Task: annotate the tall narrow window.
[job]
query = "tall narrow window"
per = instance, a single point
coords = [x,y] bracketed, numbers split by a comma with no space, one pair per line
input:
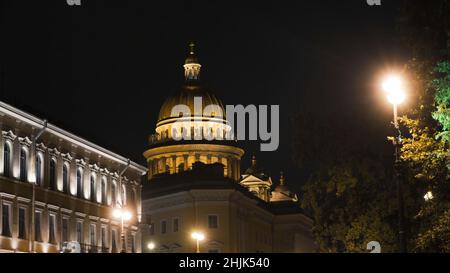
[79,232]
[175,225]
[37,226]
[152,229]
[113,193]
[133,245]
[92,235]
[132,197]
[6,221]
[7,159]
[52,229]
[65,178]
[38,170]
[113,241]
[52,185]
[23,165]
[79,183]
[104,237]
[93,191]
[104,191]
[124,195]
[22,223]
[65,230]
[163,226]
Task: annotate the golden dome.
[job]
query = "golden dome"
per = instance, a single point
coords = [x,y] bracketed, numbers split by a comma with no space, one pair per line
[191,89]
[186,97]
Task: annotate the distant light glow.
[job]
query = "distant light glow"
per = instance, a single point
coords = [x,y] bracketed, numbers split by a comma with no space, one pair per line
[429,196]
[198,236]
[151,246]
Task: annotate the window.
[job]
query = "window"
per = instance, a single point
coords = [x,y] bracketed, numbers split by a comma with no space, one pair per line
[175,225]
[6,221]
[65,178]
[37,226]
[92,188]
[22,223]
[92,235]
[113,241]
[132,197]
[104,191]
[104,237]
[52,185]
[39,170]
[124,195]
[133,245]
[113,193]
[7,159]
[213,221]
[163,226]
[152,229]
[23,165]
[80,232]
[65,230]
[52,229]
[79,183]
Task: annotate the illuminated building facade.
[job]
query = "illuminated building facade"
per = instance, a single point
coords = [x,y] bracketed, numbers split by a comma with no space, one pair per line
[62,188]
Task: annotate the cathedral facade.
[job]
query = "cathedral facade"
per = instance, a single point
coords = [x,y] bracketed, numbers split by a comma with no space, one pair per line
[195,185]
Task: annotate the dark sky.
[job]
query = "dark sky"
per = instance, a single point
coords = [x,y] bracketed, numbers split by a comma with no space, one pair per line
[102,70]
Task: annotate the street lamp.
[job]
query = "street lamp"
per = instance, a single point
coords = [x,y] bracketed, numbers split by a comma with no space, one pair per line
[198,236]
[394,88]
[151,246]
[123,215]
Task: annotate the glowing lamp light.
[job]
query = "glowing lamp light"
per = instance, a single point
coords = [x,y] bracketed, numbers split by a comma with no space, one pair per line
[198,236]
[396,97]
[394,88]
[126,215]
[122,214]
[151,246]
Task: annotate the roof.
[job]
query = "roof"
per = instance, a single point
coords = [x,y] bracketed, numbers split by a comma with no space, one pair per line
[63,134]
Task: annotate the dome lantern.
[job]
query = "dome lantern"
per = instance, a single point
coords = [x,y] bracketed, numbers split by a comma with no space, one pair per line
[191,65]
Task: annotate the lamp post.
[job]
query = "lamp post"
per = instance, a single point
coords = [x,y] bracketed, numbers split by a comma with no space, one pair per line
[394,89]
[198,236]
[123,215]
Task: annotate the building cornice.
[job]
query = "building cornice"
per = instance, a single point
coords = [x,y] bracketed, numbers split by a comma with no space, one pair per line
[81,142]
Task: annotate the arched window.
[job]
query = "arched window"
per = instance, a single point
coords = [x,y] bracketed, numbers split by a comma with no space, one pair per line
[39,168]
[52,181]
[79,183]
[93,190]
[113,193]
[104,191]
[7,159]
[65,178]
[23,165]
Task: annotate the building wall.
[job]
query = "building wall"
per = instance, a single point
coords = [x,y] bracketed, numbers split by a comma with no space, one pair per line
[243,226]
[71,154]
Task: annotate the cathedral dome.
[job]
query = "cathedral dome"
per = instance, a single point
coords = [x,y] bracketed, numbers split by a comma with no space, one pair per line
[189,91]
[186,97]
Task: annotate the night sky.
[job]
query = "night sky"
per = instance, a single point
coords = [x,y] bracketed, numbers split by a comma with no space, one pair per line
[102,70]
